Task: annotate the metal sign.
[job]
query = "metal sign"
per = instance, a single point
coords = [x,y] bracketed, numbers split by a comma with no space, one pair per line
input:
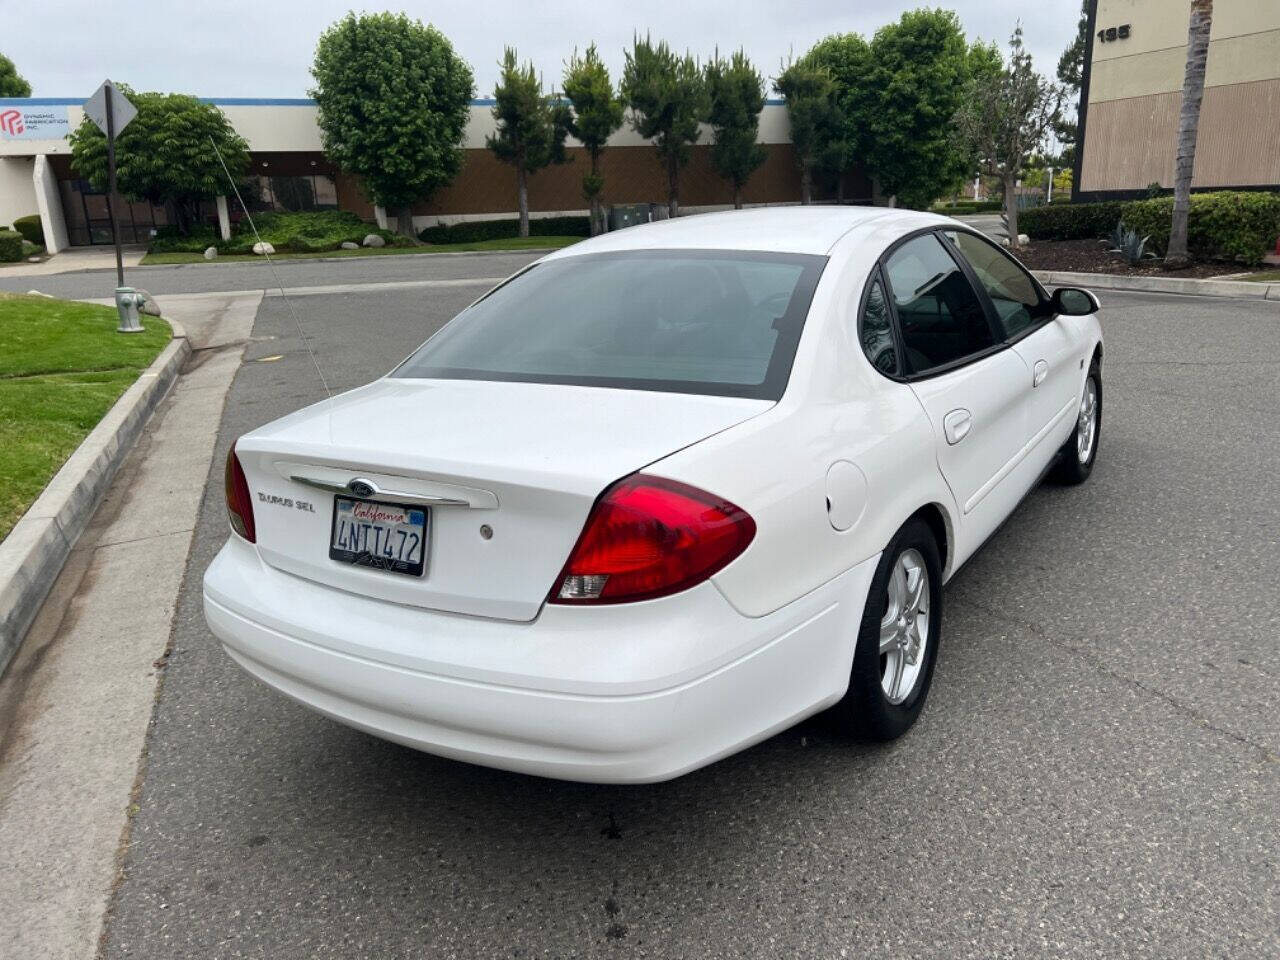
[95,108]
[24,122]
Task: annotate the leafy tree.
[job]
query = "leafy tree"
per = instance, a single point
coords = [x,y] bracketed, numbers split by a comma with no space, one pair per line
[11,82]
[531,126]
[1188,128]
[597,113]
[668,98]
[163,156]
[847,58]
[393,100]
[1071,75]
[737,97]
[1006,117]
[918,70]
[815,117]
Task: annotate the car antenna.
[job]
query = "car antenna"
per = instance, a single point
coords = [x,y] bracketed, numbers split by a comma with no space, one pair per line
[306,342]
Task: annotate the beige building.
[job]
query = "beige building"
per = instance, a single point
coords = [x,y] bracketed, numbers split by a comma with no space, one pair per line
[1132,91]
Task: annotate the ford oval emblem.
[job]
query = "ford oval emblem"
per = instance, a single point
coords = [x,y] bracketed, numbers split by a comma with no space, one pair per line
[362,488]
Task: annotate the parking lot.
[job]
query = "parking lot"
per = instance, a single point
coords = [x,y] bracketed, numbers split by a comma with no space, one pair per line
[1095,773]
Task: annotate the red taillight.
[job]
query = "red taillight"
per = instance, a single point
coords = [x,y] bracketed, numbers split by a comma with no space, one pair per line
[648,537]
[239,505]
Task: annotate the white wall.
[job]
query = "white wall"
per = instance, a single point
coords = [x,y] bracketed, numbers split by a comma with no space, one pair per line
[49,202]
[17,192]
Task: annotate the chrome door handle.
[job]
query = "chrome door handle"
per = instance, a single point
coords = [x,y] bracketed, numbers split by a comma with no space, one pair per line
[1040,371]
[956,425]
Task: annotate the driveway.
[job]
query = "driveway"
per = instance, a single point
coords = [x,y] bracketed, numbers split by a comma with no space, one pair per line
[1095,773]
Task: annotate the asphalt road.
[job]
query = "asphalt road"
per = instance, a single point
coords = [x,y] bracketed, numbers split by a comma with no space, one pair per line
[256,275]
[1095,774]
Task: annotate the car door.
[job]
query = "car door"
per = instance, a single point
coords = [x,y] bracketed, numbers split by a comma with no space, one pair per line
[1048,344]
[970,384]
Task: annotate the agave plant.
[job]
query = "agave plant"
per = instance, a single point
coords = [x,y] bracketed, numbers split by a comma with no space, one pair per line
[1117,237]
[1129,245]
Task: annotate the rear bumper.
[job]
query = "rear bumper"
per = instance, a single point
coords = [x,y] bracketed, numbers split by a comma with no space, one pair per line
[624,694]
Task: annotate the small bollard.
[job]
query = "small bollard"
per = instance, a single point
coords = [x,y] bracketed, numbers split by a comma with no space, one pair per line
[127,301]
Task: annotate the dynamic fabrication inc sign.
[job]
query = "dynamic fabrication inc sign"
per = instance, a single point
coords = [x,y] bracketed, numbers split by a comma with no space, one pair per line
[33,123]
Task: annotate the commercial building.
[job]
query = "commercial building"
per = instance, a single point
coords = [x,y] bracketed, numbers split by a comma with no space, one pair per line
[1132,93]
[36,175]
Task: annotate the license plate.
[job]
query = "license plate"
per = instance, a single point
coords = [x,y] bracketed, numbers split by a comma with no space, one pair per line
[385,536]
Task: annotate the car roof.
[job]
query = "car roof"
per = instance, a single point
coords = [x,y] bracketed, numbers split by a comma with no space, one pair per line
[792,229]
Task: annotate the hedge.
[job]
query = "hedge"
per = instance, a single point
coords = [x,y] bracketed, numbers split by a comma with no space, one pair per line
[1071,221]
[31,228]
[306,232]
[476,231]
[10,246]
[1233,226]
[1239,227]
[967,206]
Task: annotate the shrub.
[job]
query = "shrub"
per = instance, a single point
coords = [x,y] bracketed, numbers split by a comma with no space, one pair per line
[1071,221]
[967,206]
[313,231]
[1234,226]
[31,228]
[477,231]
[10,246]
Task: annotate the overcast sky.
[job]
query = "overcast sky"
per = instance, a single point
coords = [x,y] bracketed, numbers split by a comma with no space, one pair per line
[234,48]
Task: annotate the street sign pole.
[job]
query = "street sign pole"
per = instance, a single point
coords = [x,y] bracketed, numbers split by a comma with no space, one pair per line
[111,111]
[111,186]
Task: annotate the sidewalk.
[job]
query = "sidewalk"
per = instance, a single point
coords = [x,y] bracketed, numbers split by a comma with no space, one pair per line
[77,258]
[76,701]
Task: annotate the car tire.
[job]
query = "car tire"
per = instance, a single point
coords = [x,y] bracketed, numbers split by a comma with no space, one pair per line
[882,704]
[1080,452]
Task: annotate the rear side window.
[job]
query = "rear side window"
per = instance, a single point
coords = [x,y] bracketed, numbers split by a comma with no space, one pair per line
[689,321]
[940,316]
[875,330]
[1012,291]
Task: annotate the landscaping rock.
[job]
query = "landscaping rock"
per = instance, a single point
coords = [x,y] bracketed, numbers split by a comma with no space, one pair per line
[148,304]
[262,248]
[210,253]
[349,245]
[373,240]
[33,259]
[1023,239]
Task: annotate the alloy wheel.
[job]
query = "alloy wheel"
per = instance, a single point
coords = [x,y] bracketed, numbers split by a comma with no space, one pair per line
[904,628]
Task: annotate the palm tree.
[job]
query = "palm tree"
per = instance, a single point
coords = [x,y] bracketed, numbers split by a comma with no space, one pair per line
[1188,126]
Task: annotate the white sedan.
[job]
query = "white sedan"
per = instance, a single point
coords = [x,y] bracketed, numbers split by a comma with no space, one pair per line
[661,494]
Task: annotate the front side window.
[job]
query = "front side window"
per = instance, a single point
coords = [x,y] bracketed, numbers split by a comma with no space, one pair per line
[875,331]
[720,322]
[940,316]
[1012,291]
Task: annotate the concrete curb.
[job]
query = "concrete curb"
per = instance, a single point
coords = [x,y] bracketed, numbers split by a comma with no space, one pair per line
[31,557]
[1238,289]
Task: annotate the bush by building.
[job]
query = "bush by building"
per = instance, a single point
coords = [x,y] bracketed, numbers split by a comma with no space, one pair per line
[477,231]
[1235,226]
[966,206]
[305,232]
[1071,221]
[31,228]
[10,246]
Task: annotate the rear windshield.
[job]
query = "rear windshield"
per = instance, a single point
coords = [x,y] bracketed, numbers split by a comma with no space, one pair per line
[712,322]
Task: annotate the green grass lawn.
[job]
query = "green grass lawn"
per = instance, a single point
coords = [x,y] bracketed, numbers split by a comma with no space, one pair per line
[1266,276]
[62,366]
[508,243]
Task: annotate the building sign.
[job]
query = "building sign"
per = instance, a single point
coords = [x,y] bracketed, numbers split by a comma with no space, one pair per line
[34,123]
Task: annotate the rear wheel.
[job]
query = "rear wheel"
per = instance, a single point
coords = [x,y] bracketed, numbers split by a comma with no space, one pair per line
[1077,456]
[897,639]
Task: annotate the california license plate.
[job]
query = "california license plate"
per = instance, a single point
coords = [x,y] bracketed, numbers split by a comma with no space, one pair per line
[385,536]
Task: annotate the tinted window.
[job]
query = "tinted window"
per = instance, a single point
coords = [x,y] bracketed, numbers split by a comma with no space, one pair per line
[941,318]
[876,334]
[1016,299]
[718,322]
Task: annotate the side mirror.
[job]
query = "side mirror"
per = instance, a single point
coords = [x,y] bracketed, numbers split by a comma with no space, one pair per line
[1074,302]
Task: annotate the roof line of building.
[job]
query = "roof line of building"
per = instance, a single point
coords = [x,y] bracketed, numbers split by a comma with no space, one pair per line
[227,102]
